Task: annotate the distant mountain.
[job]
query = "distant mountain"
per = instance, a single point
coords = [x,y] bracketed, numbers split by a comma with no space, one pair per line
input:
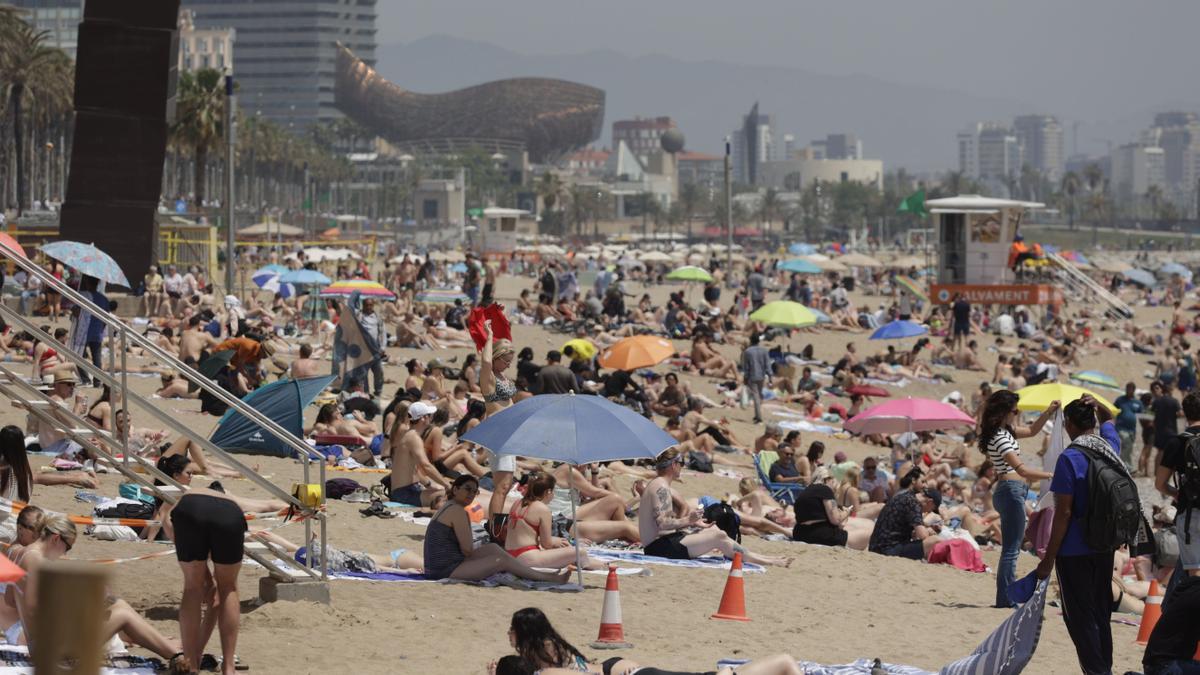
[905,125]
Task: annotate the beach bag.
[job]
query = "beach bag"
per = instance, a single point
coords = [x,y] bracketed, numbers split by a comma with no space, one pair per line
[701,462]
[1166,545]
[336,488]
[135,491]
[1188,480]
[725,518]
[1114,510]
[128,511]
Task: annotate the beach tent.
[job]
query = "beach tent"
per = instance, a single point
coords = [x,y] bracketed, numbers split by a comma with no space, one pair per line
[284,402]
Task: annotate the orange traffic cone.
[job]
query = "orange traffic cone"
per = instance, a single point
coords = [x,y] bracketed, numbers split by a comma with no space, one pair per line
[733,600]
[1151,613]
[612,632]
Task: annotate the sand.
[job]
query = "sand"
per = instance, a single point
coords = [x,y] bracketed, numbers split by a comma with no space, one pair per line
[832,605]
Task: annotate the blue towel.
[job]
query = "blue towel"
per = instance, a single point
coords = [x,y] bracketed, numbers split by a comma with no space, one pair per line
[1021,591]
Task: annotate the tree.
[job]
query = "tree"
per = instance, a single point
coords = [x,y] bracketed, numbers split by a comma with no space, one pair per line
[1071,183]
[550,189]
[30,69]
[768,209]
[199,108]
[690,196]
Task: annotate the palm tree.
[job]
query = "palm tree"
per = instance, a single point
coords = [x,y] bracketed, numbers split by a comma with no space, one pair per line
[198,120]
[690,197]
[1093,175]
[1070,187]
[30,69]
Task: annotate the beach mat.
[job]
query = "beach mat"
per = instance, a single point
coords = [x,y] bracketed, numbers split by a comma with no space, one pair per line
[859,667]
[15,659]
[705,562]
[420,578]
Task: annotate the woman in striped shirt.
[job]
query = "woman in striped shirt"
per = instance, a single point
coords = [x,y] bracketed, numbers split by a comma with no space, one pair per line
[998,441]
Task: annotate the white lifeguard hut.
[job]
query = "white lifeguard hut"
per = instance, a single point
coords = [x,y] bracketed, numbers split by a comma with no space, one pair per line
[973,236]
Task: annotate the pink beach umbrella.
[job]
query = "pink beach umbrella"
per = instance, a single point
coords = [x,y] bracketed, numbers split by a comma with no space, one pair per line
[908,414]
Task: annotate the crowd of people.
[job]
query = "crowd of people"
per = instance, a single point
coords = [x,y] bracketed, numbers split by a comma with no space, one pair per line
[496,513]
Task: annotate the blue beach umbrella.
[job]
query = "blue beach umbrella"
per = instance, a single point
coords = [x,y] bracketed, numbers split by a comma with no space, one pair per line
[1175,268]
[1140,277]
[899,329]
[799,266]
[283,401]
[304,277]
[800,248]
[572,429]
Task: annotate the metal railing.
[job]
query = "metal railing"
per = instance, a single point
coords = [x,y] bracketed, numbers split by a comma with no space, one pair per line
[122,337]
[1081,283]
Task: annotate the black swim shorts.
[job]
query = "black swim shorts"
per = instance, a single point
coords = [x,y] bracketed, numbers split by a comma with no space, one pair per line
[208,527]
[668,546]
[825,534]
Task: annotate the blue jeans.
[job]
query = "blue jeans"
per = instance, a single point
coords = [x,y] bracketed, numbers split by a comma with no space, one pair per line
[1008,497]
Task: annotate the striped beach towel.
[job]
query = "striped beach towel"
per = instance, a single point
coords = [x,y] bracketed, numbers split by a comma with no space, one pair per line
[1010,647]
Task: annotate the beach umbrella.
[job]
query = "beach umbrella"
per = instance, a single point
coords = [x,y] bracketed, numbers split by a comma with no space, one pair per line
[12,244]
[898,329]
[284,402]
[800,248]
[907,262]
[458,268]
[364,287]
[912,287]
[908,415]
[88,259]
[583,347]
[573,429]
[1175,268]
[1096,377]
[822,317]
[859,260]
[655,257]
[690,273]
[442,295]
[826,264]
[270,283]
[273,268]
[639,351]
[785,313]
[1140,277]
[799,266]
[869,390]
[1038,397]
[10,572]
[304,277]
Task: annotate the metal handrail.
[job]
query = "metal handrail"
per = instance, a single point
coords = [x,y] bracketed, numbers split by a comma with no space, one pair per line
[1115,304]
[127,334]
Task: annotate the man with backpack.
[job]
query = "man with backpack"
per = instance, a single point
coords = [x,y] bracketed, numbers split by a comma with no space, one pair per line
[1181,459]
[1097,510]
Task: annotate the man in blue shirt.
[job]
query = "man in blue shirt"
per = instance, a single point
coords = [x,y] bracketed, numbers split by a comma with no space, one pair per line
[1084,574]
[1127,422]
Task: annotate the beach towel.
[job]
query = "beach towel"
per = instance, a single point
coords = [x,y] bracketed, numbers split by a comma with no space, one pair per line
[859,667]
[1038,529]
[15,659]
[805,425]
[1010,647]
[705,562]
[958,553]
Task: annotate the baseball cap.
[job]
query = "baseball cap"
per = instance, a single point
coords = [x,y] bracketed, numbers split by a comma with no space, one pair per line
[935,497]
[420,409]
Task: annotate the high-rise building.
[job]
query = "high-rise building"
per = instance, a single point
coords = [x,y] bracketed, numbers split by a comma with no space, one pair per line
[1041,140]
[59,18]
[751,146]
[990,154]
[287,51]
[641,135]
[1135,168]
[842,146]
[204,47]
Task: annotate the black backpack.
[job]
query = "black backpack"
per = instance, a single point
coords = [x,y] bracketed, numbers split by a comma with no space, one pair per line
[726,519]
[1114,509]
[1187,479]
[336,488]
[698,461]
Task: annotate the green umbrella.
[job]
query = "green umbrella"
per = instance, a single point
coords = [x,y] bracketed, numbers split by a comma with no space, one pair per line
[212,365]
[690,273]
[785,313]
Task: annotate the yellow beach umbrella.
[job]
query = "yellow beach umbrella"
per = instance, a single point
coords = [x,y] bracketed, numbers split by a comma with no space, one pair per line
[1040,396]
[785,313]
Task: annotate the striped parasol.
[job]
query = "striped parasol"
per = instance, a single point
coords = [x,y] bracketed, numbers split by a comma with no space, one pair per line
[912,287]
[364,287]
[442,295]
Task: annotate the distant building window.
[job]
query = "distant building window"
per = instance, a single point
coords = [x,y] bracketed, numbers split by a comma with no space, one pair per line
[204,61]
[845,176]
[201,45]
[221,61]
[219,45]
[429,209]
[187,63]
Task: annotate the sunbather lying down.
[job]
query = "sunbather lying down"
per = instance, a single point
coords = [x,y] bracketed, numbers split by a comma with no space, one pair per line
[780,664]
[399,562]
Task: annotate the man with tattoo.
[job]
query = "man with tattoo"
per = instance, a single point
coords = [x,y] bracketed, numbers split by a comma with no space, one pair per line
[662,532]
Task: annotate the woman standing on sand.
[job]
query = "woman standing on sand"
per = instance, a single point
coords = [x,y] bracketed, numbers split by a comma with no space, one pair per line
[498,392]
[998,441]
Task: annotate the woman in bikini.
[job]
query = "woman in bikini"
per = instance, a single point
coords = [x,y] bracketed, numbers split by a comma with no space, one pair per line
[498,392]
[708,362]
[530,537]
[450,551]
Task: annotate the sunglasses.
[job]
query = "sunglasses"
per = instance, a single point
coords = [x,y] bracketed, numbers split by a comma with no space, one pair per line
[66,543]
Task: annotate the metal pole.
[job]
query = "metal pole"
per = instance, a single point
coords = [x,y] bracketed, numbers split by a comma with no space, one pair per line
[124,396]
[230,139]
[575,519]
[728,213]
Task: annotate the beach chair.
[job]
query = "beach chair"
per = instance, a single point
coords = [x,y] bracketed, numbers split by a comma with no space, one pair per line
[784,493]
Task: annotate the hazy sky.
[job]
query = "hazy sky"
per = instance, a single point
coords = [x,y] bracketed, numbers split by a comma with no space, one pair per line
[1117,56]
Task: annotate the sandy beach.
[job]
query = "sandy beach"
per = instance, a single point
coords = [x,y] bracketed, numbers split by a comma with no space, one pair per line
[832,605]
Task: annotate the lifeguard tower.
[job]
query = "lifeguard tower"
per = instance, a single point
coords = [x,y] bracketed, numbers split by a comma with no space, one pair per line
[972,235]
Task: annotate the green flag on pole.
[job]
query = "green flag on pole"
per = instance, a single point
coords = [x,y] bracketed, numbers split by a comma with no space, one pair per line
[914,204]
